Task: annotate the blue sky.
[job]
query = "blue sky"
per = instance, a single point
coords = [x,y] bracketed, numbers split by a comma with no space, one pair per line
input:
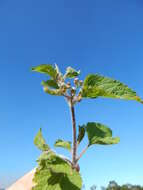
[94,36]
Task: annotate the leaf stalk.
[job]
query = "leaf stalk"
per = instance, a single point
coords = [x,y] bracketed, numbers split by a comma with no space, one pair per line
[81,154]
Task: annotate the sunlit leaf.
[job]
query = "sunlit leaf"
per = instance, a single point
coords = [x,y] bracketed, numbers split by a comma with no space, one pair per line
[99,86]
[63,144]
[107,141]
[50,91]
[40,142]
[46,69]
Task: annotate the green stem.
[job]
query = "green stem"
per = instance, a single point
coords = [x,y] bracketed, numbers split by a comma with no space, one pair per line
[81,154]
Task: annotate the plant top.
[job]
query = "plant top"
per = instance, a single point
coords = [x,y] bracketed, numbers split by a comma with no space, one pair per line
[56,172]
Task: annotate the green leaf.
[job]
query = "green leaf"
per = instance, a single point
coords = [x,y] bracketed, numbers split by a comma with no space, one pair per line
[56,92]
[55,85]
[50,83]
[96,85]
[54,173]
[108,141]
[81,134]
[71,73]
[46,69]
[39,141]
[63,144]
[100,134]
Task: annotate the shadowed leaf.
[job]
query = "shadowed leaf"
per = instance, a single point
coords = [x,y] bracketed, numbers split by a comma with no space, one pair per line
[100,134]
[71,73]
[50,83]
[55,173]
[81,134]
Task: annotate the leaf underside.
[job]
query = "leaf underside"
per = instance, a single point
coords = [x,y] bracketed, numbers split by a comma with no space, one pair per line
[56,92]
[81,134]
[50,83]
[100,134]
[54,173]
[63,144]
[71,73]
[99,86]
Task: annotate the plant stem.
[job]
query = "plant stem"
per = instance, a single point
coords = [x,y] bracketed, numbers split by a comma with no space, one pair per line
[74,150]
[81,154]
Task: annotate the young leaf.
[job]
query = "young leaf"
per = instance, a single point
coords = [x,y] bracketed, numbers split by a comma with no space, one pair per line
[71,73]
[63,144]
[96,85]
[55,173]
[39,141]
[81,134]
[46,69]
[59,74]
[50,83]
[56,92]
[100,134]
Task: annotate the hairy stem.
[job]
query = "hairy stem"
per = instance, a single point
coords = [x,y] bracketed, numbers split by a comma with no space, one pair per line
[74,150]
[81,154]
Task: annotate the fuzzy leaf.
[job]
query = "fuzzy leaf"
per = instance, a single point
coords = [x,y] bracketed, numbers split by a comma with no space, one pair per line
[107,141]
[56,92]
[63,144]
[55,173]
[100,134]
[39,141]
[59,74]
[96,85]
[81,134]
[71,73]
[46,69]
[50,83]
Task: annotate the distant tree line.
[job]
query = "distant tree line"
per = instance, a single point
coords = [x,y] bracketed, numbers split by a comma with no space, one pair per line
[113,185]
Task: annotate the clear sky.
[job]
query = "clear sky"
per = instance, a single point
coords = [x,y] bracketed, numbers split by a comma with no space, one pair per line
[96,36]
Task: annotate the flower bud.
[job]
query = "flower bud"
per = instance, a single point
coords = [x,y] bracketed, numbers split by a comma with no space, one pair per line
[73,90]
[63,88]
[81,82]
[68,85]
[76,80]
